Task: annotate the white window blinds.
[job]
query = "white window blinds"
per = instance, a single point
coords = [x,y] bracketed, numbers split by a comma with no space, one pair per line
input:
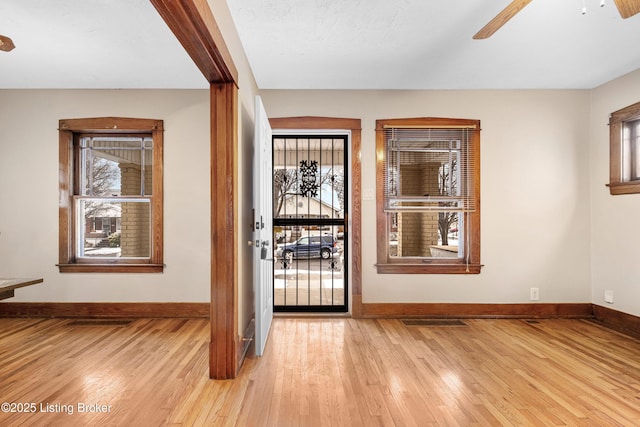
[430,169]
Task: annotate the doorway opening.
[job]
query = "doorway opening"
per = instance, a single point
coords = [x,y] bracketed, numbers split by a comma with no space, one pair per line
[310,213]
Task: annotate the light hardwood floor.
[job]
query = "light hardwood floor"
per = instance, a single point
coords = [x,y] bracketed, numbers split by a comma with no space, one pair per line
[323,372]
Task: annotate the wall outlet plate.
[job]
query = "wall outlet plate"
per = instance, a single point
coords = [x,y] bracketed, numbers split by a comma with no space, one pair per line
[534,294]
[608,297]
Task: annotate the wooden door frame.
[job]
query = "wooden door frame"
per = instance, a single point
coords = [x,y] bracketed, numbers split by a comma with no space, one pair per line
[355,230]
[192,22]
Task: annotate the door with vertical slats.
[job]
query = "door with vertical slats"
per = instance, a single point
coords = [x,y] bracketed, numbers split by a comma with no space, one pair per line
[310,212]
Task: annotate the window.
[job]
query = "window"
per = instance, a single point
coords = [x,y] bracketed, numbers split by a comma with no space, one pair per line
[624,148]
[111,195]
[428,195]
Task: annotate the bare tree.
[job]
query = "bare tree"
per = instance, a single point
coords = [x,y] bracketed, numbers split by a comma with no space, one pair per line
[447,186]
[287,184]
[337,181]
[102,176]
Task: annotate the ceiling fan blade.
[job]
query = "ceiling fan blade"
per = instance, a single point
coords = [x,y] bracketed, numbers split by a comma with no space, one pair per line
[6,44]
[501,18]
[628,8]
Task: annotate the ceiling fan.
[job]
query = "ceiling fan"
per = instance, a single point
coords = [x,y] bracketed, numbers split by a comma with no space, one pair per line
[626,8]
[6,44]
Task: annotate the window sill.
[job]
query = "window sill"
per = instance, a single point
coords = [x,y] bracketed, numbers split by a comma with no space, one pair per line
[431,268]
[631,187]
[111,268]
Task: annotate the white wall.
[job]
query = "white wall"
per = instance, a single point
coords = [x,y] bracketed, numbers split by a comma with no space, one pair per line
[615,244]
[29,194]
[29,188]
[547,219]
[535,189]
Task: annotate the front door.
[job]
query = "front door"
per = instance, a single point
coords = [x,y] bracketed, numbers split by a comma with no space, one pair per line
[263,228]
[310,210]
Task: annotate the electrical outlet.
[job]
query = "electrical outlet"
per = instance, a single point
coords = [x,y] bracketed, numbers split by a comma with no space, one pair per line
[608,297]
[534,294]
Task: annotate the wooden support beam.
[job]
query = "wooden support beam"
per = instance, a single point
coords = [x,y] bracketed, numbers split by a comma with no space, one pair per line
[223,360]
[193,24]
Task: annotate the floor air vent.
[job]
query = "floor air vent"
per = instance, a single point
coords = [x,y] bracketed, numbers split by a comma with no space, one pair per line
[434,322]
[100,322]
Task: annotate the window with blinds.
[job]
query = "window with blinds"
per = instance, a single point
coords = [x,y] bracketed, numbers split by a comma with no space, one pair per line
[624,147]
[429,169]
[428,176]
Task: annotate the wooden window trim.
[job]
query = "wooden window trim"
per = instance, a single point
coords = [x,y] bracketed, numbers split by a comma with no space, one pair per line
[616,124]
[68,128]
[385,264]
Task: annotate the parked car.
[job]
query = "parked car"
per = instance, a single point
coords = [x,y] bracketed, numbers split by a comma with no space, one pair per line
[309,247]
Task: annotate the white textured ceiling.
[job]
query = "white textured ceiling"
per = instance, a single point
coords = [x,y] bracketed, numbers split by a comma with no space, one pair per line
[92,44]
[427,44]
[324,44]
